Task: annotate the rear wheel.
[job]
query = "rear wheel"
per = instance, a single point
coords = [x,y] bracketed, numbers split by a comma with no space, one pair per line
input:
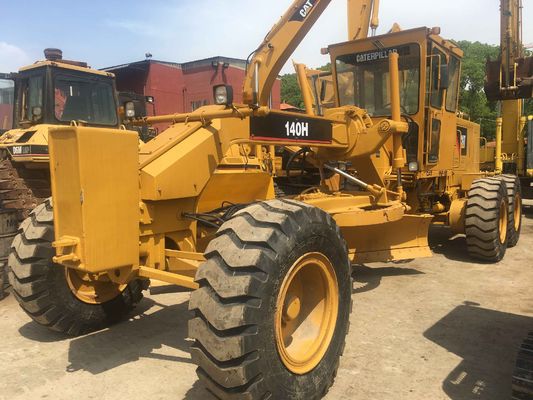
[272,310]
[61,299]
[514,194]
[487,220]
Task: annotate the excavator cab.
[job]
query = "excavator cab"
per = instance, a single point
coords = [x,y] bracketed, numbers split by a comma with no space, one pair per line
[429,76]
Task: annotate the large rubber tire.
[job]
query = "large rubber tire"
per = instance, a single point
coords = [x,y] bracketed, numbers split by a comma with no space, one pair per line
[482,219]
[512,184]
[41,288]
[522,382]
[234,308]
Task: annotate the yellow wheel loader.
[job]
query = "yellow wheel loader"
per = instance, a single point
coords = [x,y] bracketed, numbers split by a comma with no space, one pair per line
[196,207]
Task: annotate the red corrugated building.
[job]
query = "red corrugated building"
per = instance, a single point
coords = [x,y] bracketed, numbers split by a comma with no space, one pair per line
[184,87]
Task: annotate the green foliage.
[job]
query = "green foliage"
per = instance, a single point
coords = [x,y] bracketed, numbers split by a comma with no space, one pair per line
[473,101]
[290,91]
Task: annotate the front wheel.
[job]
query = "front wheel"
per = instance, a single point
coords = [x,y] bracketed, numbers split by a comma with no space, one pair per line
[272,310]
[62,299]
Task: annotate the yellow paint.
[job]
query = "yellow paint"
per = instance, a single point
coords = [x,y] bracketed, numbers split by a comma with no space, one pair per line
[96,197]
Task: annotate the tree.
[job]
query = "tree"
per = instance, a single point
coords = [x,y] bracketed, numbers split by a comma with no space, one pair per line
[290,91]
[472,100]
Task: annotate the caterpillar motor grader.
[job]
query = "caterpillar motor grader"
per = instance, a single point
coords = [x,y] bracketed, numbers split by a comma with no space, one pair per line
[39,97]
[196,207]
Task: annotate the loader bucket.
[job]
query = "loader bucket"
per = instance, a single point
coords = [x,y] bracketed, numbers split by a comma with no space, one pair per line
[95,192]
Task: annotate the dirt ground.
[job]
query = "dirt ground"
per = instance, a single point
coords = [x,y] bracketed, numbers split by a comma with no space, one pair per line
[430,329]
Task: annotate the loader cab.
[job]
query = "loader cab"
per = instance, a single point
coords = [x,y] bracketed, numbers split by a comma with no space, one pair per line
[429,72]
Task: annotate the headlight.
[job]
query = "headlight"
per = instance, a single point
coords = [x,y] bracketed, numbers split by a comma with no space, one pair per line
[223,95]
[413,166]
[129,108]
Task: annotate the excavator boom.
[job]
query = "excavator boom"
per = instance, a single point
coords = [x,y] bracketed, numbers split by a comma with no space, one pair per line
[286,35]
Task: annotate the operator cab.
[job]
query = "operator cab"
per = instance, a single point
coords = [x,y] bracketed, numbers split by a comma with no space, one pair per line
[50,93]
[429,74]
[57,92]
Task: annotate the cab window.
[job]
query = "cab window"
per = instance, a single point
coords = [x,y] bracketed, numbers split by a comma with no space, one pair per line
[84,99]
[452,95]
[32,98]
[7,95]
[438,60]
[363,80]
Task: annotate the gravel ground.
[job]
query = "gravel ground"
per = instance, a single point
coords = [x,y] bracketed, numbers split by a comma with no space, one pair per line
[439,328]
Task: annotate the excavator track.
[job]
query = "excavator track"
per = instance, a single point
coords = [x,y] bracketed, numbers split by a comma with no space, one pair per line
[22,188]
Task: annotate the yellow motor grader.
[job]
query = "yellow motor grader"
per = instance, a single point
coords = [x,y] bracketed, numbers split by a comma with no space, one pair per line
[196,207]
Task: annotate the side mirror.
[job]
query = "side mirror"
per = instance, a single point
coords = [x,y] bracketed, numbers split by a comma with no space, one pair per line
[444,76]
[223,95]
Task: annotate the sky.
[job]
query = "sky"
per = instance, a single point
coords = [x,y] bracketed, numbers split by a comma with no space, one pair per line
[109,32]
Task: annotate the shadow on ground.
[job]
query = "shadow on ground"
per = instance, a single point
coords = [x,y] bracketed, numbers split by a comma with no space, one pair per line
[443,241]
[487,341]
[126,342]
[367,278]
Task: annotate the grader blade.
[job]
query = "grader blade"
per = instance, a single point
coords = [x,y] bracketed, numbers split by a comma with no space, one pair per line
[404,239]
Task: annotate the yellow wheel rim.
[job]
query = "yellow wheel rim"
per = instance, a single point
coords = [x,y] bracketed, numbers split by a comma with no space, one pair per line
[503,221]
[306,313]
[90,290]
[517,212]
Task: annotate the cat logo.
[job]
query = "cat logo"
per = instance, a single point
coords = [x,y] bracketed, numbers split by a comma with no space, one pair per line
[303,12]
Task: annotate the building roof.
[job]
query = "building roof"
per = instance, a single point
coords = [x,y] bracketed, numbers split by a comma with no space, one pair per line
[143,64]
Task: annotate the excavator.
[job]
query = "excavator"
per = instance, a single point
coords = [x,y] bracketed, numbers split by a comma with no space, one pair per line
[509,80]
[196,207]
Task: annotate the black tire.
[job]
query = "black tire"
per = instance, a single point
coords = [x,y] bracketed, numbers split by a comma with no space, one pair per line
[522,382]
[233,323]
[41,288]
[512,184]
[482,219]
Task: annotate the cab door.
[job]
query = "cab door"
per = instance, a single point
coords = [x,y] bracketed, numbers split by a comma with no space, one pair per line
[440,124]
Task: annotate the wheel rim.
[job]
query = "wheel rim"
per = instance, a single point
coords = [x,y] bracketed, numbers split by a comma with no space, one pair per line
[503,222]
[517,212]
[92,291]
[306,313]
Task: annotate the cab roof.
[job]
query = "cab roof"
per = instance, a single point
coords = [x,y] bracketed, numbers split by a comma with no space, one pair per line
[62,65]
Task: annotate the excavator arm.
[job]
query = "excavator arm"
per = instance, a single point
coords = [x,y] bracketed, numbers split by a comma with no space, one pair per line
[362,16]
[277,47]
[511,76]
[287,34]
